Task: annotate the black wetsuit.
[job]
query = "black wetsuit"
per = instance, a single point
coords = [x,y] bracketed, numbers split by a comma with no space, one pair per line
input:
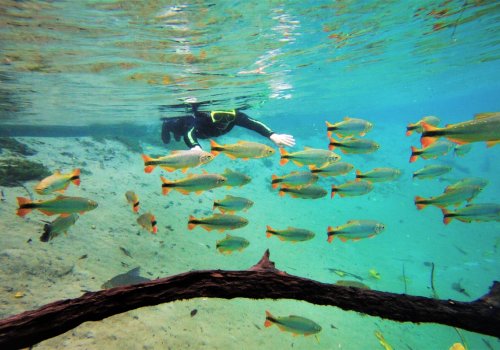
[201,126]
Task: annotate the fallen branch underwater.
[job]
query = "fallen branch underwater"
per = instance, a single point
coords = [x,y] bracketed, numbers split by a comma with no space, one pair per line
[262,281]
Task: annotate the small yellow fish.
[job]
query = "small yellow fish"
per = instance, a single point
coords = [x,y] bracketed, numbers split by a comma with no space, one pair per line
[355,230]
[60,205]
[179,159]
[58,226]
[434,150]
[193,183]
[484,127]
[242,149]
[375,274]
[379,175]
[417,127]
[354,145]
[231,243]
[148,221]
[431,171]
[133,199]
[352,188]
[294,324]
[291,234]
[349,127]
[306,192]
[309,156]
[219,222]
[473,212]
[382,341]
[58,182]
[294,179]
[234,178]
[231,204]
[332,169]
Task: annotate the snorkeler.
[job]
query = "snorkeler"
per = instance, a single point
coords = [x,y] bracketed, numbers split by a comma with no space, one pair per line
[204,125]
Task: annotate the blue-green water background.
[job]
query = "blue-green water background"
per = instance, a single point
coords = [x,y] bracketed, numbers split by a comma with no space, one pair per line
[114,68]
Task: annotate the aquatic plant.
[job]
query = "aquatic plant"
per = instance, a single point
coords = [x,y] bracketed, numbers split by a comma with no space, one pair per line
[15,146]
[14,171]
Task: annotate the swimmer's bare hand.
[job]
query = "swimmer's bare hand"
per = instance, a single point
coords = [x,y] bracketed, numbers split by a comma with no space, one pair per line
[283,140]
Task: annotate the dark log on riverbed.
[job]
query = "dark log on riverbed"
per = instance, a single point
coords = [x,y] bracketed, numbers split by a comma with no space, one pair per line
[262,281]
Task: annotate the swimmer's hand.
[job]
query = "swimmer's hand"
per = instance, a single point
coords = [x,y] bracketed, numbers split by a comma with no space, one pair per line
[196,148]
[283,140]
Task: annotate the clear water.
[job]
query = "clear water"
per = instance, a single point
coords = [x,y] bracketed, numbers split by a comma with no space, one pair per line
[76,74]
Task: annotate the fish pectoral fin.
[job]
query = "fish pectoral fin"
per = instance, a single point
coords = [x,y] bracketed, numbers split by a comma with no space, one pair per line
[47,212]
[297,163]
[343,239]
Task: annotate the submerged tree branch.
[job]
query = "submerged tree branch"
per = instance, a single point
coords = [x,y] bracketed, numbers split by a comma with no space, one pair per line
[262,281]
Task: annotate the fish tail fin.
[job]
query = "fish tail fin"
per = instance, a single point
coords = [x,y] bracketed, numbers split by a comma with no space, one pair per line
[215,148]
[23,202]
[165,187]
[334,190]
[75,176]
[282,190]
[426,139]
[274,181]
[359,175]
[331,234]
[192,222]
[147,167]
[329,128]
[215,205]
[414,155]
[269,231]
[419,202]
[333,143]
[409,129]
[269,319]
[135,207]
[446,216]
[284,155]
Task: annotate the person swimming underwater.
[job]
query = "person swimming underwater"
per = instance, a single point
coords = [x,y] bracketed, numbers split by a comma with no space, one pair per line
[204,125]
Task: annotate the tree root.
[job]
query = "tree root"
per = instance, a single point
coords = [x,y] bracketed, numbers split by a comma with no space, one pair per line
[262,281]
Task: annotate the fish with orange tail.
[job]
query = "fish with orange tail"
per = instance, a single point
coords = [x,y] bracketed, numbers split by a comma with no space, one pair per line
[379,175]
[417,127]
[219,222]
[196,183]
[453,196]
[63,205]
[354,145]
[309,156]
[349,127]
[295,324]
[352,188]
[484,127]
[242,149]
[58,182]
[148,222]
[434,150]
[231,204]
[305,192]
[294,179]
[332,169]
[133,199]
[179,159]
[291,234]
[480,212]
[355,230]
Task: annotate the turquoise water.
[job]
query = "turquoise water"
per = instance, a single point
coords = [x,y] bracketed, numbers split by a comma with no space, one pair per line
[77,75]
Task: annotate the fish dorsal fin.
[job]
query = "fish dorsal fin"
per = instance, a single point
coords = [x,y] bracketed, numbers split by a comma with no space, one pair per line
[57,172]
[229,171]
[347,118]
[486,115]
[228,236]
[61,197]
